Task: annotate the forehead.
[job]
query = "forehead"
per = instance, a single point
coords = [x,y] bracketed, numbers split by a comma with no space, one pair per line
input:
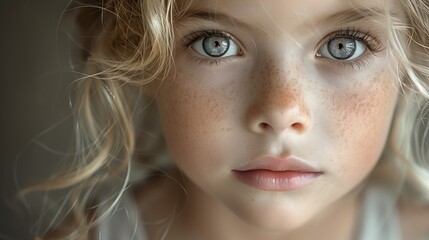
[293,13]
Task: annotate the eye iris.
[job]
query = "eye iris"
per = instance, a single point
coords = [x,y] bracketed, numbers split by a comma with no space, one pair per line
[342,48]
[215,46]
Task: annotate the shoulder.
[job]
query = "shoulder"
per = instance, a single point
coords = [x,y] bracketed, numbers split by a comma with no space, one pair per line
[414,220]
[159,200]
[158,192]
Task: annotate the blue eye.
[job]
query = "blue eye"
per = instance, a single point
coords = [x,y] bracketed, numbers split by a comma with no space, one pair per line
[343,48]
[216,46]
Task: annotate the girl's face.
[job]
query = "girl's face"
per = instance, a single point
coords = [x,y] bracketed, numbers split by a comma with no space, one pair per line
[279,109]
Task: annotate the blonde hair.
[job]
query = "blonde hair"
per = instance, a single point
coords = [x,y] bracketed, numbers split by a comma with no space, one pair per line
[129,43]
[126,43]
[409,140]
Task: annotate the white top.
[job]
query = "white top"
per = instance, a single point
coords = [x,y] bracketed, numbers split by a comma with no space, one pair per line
[124,224]
[379,219]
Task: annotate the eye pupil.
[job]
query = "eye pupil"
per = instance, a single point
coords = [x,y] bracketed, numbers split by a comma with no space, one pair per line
[342,48]
[216,46]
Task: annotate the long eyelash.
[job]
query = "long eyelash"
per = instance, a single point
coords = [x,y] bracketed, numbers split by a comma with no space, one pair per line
[189,39]
[372,43]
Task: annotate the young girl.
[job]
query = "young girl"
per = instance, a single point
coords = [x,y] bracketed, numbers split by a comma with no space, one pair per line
[281,119]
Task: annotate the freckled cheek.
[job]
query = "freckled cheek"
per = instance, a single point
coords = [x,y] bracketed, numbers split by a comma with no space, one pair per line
[363,120]
[192,119]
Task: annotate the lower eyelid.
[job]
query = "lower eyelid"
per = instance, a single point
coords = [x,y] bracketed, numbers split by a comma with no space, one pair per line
[201,60]
[346,65]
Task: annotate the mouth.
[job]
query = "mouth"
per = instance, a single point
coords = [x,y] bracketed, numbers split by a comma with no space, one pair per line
[277,174]
[276,180]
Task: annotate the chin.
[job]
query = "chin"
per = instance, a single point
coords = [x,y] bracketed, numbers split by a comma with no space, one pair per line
[271,215]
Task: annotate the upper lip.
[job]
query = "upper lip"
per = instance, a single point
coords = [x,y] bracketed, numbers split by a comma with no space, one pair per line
[273,163]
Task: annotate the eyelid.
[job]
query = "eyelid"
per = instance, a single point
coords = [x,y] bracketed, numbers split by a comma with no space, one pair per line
[372,43]
[190,38]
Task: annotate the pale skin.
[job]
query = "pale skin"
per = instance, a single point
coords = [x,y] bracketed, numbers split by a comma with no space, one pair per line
[276,94]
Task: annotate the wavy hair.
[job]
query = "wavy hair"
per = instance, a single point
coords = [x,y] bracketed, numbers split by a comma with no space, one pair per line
[124,43]
[409,139]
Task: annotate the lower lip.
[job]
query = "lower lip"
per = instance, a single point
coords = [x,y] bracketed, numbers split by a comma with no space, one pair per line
[276,180]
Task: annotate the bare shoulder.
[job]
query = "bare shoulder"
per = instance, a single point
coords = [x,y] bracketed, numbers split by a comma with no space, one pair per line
[414,221]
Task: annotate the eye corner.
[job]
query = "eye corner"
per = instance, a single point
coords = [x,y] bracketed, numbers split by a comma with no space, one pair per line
[240,52]
[318,54]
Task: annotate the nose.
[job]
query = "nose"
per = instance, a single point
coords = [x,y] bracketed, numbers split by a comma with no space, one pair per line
[279,105]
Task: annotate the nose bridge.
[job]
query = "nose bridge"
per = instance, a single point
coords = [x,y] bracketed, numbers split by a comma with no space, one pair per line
[280,87]
[279,99]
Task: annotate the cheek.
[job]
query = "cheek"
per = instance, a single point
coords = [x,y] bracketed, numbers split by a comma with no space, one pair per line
[362,119]
[193,116]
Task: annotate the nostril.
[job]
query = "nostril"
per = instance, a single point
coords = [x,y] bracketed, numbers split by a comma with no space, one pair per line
[264,126]
[298,126]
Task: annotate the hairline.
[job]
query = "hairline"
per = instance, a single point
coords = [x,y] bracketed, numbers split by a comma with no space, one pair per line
[343,17]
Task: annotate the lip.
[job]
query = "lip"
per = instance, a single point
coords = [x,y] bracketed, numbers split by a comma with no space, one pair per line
[277,174]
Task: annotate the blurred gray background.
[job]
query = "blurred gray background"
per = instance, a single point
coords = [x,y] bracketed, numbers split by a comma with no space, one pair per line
[35,114]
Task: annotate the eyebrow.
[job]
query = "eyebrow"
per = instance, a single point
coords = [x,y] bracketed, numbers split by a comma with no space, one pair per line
[211,16]
[351,15]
